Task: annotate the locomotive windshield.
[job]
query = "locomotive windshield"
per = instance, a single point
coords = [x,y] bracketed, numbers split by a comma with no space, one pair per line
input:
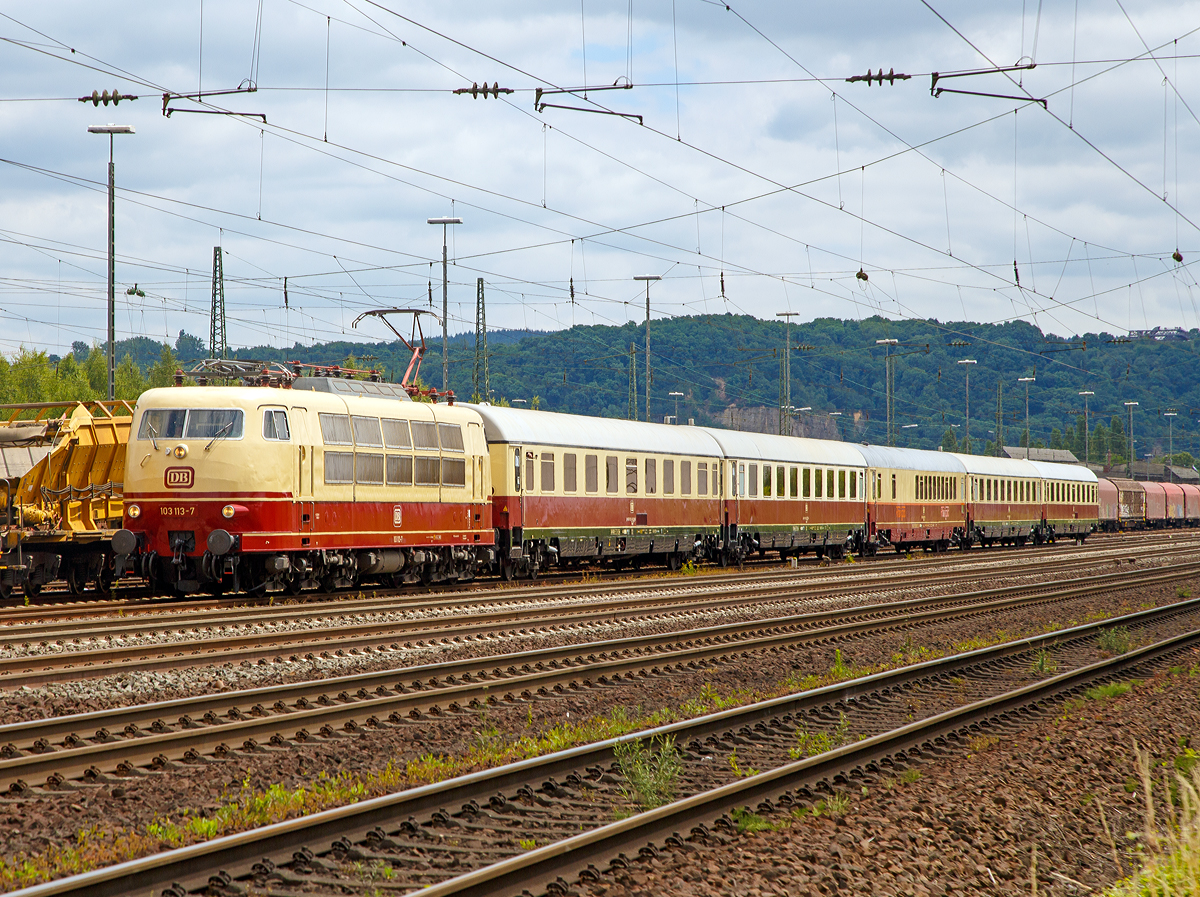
[190,423]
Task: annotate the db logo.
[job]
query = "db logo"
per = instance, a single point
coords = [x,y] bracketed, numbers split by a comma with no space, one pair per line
[179,477]
[397,515]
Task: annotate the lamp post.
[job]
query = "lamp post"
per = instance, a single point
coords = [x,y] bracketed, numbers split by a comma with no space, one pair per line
[678,396]
[1170,416]
[1027,381]
[887,344]
[110,130]
[785,401]
[445,302]
[968,362]
[647,278]
[837,424]
[520,401]
[1087,428]
[1131,406]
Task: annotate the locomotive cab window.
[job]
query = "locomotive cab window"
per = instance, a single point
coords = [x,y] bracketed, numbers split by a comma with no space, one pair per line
[275,425]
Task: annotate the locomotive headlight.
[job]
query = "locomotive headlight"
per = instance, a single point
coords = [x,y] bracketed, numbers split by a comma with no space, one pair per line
[133,511]
[228,511]
[180,451]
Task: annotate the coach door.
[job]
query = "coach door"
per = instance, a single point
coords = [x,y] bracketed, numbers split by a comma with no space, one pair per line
[304,453]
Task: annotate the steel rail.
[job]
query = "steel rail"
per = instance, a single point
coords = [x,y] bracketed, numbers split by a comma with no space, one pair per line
[452,686]
[191,867]
[38,669]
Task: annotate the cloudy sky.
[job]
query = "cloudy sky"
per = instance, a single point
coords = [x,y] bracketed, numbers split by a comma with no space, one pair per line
[740,166]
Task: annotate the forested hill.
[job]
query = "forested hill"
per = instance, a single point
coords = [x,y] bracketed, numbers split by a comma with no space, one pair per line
[724,362]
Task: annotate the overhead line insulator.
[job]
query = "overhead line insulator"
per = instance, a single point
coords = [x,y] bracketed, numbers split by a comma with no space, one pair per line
[97,98]
[879,77]
[475,90]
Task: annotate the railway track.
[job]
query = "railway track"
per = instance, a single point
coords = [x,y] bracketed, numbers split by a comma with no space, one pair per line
[50,604]
[126,739]
[41,653]
[541,823]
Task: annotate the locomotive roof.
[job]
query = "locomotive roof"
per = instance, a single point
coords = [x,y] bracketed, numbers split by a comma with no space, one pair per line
[911,459]
[793,449]
[1075,473]
[524,426]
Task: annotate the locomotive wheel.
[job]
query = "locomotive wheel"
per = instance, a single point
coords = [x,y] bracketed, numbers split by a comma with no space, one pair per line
[32,589]
[5,590]
[506,571]
[673,561]
[533,571]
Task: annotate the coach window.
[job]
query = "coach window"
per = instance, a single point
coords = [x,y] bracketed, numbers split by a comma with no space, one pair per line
[335,429]
[854,478]
[631,476]
[767,480]
[794,482]
[591,473]
[807,483]
[829,484]
[339,467]
[368,469]
[754,480]
[366,431]
[740,483]
[395,434]
[718,482]
[426,472]
[451,435]
[399,470]
[685,477]
[454,472]
[841,484]
[893,487]
[547,471]
[702,479]
[819,483]
[425,435]
[651,476]
[275,425]
[569,481]
[781,481]
[529,471]
[611,483]
[668,477]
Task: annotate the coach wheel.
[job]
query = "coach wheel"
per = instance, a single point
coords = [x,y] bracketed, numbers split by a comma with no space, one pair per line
[5,589]
[104,581]
[673,561]
[506,571]
[76,579]
[533,570]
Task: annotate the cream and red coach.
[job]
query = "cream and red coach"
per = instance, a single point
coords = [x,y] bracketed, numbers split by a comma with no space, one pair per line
[328,483]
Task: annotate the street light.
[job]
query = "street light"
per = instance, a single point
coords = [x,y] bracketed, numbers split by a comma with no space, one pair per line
[968,362]
[1131,406]
[887,344]
[647,278]
[445,302]
[110,130]
[1170,416]
[785,401]
[678,396]
[520,401]
[1027,381]
[1087,428]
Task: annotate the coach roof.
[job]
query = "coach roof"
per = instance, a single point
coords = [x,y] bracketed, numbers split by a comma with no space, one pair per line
[1075,473]
[788,449]
[911,459]
[526,427]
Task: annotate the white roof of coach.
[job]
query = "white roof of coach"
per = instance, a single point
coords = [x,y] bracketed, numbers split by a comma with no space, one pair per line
[1074,473]
[789,449]
[989,466]
[526,427]
[911,459]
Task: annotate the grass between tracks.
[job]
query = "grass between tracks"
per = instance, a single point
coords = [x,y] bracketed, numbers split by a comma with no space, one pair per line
[250,807]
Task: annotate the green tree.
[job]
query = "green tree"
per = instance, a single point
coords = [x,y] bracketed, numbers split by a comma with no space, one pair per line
[188,347]
[31,377]
[129,380]
[71,383]
[163,371]
[1117,443]
[1056,439]
[95,369]
[949,443]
